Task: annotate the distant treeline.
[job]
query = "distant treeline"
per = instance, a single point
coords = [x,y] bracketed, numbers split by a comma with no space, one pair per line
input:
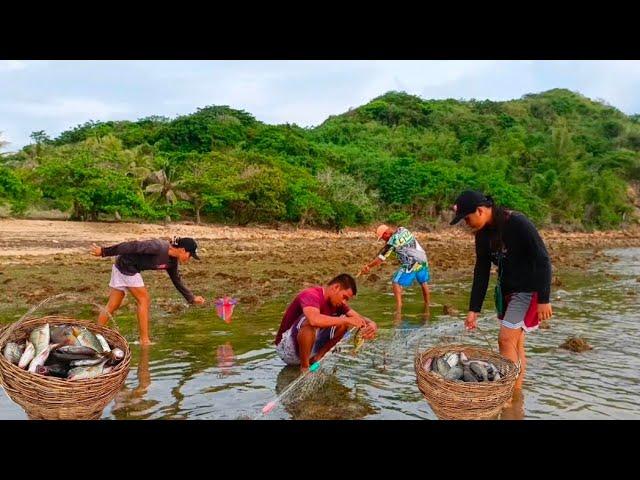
[559,157]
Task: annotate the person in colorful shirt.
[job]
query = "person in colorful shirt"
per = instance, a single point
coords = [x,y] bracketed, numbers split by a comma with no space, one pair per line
[136,256]
[414,265]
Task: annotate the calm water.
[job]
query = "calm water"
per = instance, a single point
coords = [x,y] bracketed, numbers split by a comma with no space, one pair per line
[201,367]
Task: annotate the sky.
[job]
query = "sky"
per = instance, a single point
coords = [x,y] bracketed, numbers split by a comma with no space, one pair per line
[55,96]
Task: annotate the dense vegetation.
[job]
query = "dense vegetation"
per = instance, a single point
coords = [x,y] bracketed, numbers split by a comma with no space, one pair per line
[557,156]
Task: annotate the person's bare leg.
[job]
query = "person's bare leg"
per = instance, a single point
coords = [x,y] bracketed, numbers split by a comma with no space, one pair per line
[425,293]
[337,336]
[397,292]
[514,410]
[114,302]
[141,294]
[306,339]
[523,359]
[508,342]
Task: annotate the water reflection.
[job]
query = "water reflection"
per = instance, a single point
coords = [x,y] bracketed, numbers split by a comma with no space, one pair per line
[131,402]
[514,410]
[324,397]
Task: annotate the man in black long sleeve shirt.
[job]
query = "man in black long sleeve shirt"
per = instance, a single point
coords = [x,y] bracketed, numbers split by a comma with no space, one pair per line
[136,256]
[509,240]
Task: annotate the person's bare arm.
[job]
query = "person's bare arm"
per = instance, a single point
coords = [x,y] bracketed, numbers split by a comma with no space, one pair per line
[317,319]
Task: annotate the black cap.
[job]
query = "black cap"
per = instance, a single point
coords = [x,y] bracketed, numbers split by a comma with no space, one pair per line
[467,203]
[190,245]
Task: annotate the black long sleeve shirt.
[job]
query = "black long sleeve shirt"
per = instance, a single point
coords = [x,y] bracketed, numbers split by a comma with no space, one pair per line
[136,256]
[526,266]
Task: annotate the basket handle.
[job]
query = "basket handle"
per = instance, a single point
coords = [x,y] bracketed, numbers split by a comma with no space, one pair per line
[6,333]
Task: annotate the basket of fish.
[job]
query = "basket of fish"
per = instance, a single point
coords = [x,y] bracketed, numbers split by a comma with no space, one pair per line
[463,382]
[56,367]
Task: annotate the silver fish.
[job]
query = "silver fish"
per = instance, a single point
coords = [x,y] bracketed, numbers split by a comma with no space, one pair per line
[467,375]
[479,371]
[87,339]
[87,362]
[27,356]
[440,366]
[39,359]
[454,373]
[451,359]
[13,352]
[103,343]
[117,354]
[40,337]
[79,373]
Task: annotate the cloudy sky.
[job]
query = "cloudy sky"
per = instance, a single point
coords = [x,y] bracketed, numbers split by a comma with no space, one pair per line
[57,95]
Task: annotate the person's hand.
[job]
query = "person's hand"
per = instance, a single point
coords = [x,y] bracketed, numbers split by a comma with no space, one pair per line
[369,332]
[357,322]
[198,300]
[95,250]
[471,321]
[544,311]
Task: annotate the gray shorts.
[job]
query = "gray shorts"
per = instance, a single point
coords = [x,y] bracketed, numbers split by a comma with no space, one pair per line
[522,312]
[287,348]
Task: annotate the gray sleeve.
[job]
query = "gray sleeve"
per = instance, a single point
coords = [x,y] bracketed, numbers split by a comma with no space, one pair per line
[177,282]
[140,247]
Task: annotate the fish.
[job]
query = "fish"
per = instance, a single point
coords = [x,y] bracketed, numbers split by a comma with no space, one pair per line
[38,360]
[103,343]
[358,341]
[441,366]
[40,338]
[116,354]
[479,371]
[454,373]
[74,352]
[426,366]
[87,339]
[54,370]
[63,335]
[463,358]
[89,362]
[451,359]
[13,352]
[79,373]
[467,375]
[27,355]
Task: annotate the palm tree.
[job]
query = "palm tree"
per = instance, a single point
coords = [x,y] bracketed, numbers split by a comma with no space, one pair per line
[162,187]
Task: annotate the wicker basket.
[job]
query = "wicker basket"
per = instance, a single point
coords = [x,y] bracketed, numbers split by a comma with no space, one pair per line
[457,400]
[53,398]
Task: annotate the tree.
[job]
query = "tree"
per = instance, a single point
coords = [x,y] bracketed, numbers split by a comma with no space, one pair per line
[164,189]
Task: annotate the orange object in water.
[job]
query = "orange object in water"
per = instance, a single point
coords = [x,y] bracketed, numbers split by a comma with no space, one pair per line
[224,308]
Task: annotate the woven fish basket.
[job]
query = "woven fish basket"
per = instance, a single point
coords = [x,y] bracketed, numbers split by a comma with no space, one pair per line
[458,400]
[50,398]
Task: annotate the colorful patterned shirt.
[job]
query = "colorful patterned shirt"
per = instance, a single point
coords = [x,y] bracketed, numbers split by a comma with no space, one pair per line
[407,249]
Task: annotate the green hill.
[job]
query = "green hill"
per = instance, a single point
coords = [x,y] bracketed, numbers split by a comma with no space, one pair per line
[558,156]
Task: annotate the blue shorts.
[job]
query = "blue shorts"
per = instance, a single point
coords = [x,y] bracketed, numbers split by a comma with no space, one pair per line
[406,279]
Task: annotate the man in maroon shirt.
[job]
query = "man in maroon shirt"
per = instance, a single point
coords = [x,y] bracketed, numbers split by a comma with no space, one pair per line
[317,319]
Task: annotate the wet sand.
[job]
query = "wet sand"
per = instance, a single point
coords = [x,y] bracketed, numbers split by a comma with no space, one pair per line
[40,258]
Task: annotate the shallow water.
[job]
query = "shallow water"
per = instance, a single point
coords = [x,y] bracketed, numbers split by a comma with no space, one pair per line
[201,367]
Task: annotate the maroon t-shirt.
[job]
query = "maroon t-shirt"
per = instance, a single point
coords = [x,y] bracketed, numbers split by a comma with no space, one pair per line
[310,297]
